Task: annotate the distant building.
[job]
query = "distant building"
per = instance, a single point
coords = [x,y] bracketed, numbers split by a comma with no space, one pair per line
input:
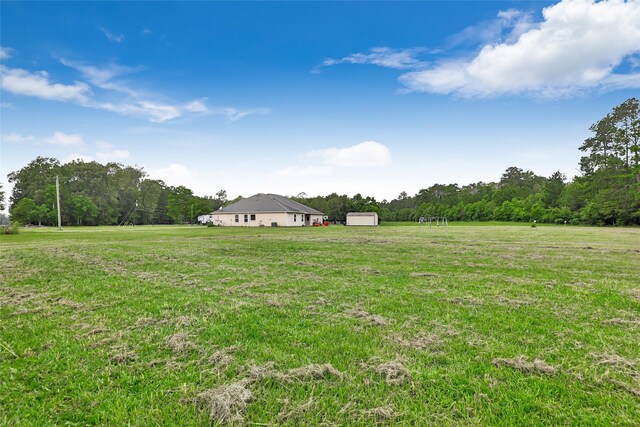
[362,218]
[266,210]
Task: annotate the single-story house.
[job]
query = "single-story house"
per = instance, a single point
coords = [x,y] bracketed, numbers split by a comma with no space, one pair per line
[266,210]
[362,218]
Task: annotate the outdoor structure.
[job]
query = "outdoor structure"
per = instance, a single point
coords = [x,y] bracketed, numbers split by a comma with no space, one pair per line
[362,218]
[266,210]
[205,219]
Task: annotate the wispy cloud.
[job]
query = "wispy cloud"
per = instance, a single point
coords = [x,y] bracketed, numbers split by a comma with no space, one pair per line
[363,155]
[112,37]
[105,77]
[64,139]
[367,154]
[400,59]
[298,171]
[112,93]
[16,137]
[108,153]
[5,53]
[23,82]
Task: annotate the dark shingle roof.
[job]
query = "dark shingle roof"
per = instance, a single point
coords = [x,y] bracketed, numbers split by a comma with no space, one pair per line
[267,203]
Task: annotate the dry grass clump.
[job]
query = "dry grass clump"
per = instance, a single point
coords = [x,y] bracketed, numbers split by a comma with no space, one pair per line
[463,300]
[618,321]
[394,371]
[311,372]
[371,319]
[381,415]
[223,357]
[179,343]
[522,364]
[419,342]
[123,357]
[226,404]
[304,373]
[418,274]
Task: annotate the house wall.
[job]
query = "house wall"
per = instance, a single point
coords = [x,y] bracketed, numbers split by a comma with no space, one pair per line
[263,218]
[362,220]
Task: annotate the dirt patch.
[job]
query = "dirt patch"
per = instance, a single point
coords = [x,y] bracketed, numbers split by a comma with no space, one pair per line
[371,319]
[522,364]
[179,343]
[226,404]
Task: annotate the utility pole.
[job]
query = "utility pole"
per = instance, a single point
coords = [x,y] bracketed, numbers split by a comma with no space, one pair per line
[58,202]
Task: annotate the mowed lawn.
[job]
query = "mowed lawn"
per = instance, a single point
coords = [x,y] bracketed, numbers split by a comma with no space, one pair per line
[480,325]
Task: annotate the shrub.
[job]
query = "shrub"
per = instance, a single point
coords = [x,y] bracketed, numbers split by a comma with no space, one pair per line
[13,228]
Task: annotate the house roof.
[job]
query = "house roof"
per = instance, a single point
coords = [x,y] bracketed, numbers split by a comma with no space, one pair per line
[267,203]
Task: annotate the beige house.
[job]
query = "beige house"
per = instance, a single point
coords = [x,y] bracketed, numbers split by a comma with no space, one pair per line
[362,218]
[266,210]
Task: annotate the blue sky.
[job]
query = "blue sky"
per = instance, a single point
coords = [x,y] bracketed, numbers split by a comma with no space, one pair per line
[371,98]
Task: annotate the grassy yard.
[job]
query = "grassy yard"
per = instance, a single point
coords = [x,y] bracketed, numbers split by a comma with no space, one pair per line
[508,325]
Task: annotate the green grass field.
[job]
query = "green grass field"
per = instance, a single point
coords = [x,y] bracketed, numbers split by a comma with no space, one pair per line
[491,325]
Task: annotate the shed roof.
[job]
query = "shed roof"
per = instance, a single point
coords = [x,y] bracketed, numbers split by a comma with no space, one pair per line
[268,203]
[362,214]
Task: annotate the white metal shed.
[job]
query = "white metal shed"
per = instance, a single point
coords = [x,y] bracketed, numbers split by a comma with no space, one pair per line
[362,218]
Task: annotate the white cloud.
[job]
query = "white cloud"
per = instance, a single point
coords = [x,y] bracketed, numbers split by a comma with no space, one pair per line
[23,82]
[152,111]
[196,106]
[64,139]
[6,105]
[383,57]
[233,114]
[112,37]
[16,137]
[103,77]
[577,46]
[108,153]
[297,171]
[363,155]
[5,52]
[175,174]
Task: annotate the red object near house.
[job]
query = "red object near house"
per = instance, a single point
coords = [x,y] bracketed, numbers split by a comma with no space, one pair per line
[326,223]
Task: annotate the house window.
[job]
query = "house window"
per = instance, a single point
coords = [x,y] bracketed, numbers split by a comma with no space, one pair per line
[246,218]
[294,217]
[237,218]
[253,217]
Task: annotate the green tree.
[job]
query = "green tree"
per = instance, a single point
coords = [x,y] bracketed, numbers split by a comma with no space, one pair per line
[180,202]
[25,211]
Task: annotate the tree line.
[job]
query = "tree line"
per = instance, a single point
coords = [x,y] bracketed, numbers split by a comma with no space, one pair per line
[606,193]
[95,194]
